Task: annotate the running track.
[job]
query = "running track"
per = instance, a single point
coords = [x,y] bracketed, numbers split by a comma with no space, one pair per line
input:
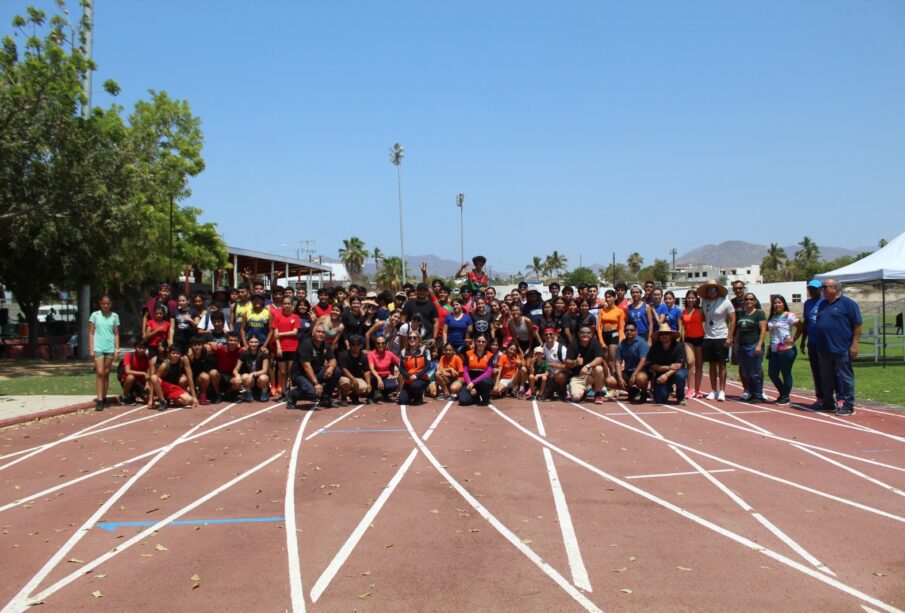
[520,506]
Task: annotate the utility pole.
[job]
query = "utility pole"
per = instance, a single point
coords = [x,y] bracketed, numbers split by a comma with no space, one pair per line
[396,155]
[672,273]
[460,200]
[309,247]
[85,289]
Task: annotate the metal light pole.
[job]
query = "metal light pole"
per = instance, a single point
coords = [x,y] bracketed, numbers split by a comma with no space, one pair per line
[460,199]
[85,289]
[396,155]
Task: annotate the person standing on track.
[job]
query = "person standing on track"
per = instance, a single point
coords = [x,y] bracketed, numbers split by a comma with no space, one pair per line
[719,330]
[103,347]
[782,346]
[809,346]
[838,332]
[750,331]
[693,337]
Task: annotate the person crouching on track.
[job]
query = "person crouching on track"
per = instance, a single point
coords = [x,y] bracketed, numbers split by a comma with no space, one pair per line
[200,361]
[631,360]
[511,373]
[314,373]
[133,373]
[173,383]
[449,373]
[223,376]
[383,365]
[478,375]
[666,364]
[414,363]
[355,376]
[253,366]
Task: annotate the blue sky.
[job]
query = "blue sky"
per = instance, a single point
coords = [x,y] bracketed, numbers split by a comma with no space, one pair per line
[586,127]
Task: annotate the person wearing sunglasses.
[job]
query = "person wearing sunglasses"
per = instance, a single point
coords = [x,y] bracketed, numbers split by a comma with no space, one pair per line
[414,363]
[478,375]
[838,333]
[809,339]
[586,362]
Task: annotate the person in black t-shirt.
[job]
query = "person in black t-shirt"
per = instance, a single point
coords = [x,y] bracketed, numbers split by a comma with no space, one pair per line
[314,373]
[353,319]
[186,320]
[252,366]
[587,366]
[355,377]
[423,305]
[666,365]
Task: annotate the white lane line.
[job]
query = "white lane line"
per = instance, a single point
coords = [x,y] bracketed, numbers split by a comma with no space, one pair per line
[820,456]
[569,538]
[83,432]
[836,421]
[20,600]
[813,399]
[335,421]
[90,566]
[292,537]
[620,414]
[142,456]
[745,542]
[751,429]
[349,546]
[529,553]
[753,471]
[741,502]
[681,474]
[735,412]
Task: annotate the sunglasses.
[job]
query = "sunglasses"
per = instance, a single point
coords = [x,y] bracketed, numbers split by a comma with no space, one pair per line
[413,337]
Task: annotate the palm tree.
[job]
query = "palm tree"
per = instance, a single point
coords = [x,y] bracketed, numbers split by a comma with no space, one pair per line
[635,262]
[378,257]
[537,267]
[775,258]
[883,242]
[353,254]
[809,252]
[389,274]
[556,263]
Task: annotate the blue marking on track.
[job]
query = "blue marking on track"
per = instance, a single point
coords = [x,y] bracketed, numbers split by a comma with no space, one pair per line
[111,526]
[341,430]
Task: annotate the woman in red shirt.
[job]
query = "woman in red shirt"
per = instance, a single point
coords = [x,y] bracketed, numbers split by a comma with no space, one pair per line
[156,330]
[383,365]
[693,329]
[286,325]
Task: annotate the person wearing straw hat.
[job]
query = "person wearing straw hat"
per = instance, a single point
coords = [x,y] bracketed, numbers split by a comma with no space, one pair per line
[666,365]
[719,330]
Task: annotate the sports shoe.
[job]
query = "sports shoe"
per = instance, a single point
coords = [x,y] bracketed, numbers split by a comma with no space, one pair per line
[590,394]
[162,405]
[745,396]
[612,394]
[782,400]
[247,397]
[598,399]
[683,402]
[325,403]
[202,399]
[290,403]
[711,395]
[721,396]
[343,403]
[265,397]
[644,397]
[632,394]
[528,395]
[845,410]
[756,400]
[129,401]
[98,405]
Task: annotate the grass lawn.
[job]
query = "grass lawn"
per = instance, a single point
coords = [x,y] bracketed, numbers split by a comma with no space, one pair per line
[52,385]
[872,381]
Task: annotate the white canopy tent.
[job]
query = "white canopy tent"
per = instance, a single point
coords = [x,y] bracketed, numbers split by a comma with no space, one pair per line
[884,265]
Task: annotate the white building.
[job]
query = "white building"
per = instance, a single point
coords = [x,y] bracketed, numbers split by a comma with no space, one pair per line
[701,273]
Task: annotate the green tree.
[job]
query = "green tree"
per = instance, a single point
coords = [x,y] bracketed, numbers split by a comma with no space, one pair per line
[582,274]
[537,267]
[80,195]
[773,263]
[378,258]
[635,262]
[809,252]
[556,263]
[614,274]
[389,274]
[657,272]
[882,243]
[353,254]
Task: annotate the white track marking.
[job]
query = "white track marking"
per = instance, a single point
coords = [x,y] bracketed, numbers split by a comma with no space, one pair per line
[738,500]
[335,421]
[820,456]
[748,469]
[814,399]
[292,537]
[761,432]
[142,456]
[349,546]
[833,420]
[20,600]
[83,432]
[569,538]
[749,544]
[90,566]
[682,474]
[529,553]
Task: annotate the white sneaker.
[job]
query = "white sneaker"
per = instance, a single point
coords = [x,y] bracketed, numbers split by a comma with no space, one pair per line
[711,395]
[744,396]
[722,396]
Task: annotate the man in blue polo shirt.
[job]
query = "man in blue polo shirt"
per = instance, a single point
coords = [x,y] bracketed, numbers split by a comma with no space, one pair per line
[838,330]
[809,345]
[631,360]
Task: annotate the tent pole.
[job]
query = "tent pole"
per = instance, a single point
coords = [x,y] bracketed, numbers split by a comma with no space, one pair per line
[883,318]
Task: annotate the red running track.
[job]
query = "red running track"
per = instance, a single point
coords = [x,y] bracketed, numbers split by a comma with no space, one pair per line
[519,506]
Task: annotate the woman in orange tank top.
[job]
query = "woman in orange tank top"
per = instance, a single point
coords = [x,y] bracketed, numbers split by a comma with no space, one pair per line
[693,331]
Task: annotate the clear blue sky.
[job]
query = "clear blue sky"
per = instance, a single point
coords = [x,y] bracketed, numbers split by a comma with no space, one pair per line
[587,127]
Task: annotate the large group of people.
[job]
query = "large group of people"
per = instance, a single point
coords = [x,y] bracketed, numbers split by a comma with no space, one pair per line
[471,344]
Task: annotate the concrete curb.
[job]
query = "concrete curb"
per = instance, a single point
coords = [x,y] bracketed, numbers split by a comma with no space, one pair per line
[21,419]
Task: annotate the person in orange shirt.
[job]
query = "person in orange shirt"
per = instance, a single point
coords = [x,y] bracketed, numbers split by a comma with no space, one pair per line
[511,372]
[610,327]
[449,373]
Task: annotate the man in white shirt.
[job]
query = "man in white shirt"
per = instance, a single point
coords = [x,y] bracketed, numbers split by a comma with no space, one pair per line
[719,330]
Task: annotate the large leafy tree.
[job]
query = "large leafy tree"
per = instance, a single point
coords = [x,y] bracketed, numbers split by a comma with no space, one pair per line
[658,272]
[537,267]
[556,263]
[353,254]
[582,274]
[773,263]
[84,199]
[389,274]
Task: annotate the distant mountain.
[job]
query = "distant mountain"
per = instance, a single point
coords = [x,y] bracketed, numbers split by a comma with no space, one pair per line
[740,253]
[435,266]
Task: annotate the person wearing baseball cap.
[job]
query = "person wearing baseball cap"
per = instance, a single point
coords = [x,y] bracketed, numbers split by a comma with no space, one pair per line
[809,345]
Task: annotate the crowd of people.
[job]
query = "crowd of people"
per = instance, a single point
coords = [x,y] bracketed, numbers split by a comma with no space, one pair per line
[470,344]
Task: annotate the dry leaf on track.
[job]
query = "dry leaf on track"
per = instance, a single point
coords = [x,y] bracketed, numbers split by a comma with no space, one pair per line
[97,594]
[625,590]
[160,547]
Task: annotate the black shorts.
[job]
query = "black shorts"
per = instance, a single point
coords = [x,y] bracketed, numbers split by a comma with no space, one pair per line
[288,356]
[695,342]
[715,350]
[610,337]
